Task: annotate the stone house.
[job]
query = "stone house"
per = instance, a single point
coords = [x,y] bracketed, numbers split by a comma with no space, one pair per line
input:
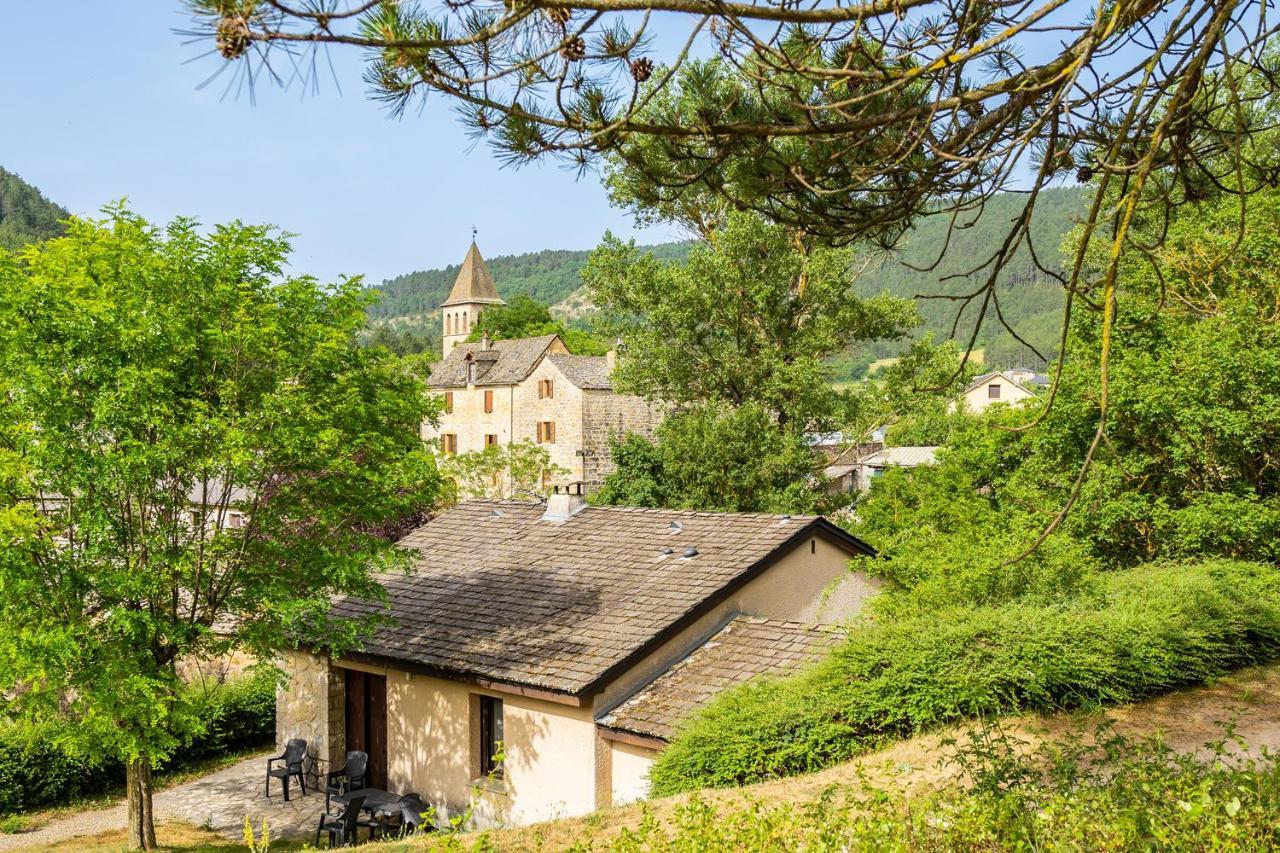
[540,656]
[534,389]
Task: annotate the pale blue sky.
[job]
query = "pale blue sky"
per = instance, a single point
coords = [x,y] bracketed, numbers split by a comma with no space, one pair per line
[97,104]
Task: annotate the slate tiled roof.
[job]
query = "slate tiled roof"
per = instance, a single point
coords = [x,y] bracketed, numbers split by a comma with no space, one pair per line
[501,594]
[585,371]
[507,363]
[745,648]
[905,457]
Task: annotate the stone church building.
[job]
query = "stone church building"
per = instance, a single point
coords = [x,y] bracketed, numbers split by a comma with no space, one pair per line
[498,392]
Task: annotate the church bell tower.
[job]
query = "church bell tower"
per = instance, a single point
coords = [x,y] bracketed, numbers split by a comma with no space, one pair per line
[473,292]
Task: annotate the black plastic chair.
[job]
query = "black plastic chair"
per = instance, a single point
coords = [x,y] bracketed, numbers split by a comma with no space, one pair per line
[342,829]
[413,815]
[295,753]
[350,777]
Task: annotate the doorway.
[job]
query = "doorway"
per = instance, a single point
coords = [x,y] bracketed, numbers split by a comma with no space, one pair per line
[366,713]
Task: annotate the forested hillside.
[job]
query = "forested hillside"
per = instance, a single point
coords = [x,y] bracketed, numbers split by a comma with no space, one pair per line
[26,216]
[548,276]
[1029,300]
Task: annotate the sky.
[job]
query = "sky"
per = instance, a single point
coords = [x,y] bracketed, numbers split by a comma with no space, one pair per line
[101,100]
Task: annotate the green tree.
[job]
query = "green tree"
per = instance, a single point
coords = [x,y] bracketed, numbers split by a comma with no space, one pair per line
[26,216]
[156,381]
[753,316]
[716,457]
[501,471]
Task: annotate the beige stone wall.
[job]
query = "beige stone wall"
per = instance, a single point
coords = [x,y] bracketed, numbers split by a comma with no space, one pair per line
[310,706]
[608,416]
[564,409]
[629,772]
[811,584]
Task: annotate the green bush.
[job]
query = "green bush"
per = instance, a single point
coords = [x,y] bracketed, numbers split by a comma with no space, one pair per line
[1140,632]
[1114,795]
[38,769]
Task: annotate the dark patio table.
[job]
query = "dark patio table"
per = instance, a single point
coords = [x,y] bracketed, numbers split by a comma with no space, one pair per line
[380,805]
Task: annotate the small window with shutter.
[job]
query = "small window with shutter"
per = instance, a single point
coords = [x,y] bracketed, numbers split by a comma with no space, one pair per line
[488,401]
[449,442]
[546,389]
[546,432]
[448,402]
[490,439]
[993,391]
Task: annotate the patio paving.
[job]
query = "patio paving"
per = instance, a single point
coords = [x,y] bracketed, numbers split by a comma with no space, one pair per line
[218,801]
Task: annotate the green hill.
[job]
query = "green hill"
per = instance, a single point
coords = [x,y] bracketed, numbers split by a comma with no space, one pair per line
[26,216]
[548,276]
[1030,301]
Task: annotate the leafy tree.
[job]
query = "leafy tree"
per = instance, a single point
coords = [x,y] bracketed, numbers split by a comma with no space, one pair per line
[752,317]
[501,471]
[524,317]
[716,457]
[157,380]
[1187,466]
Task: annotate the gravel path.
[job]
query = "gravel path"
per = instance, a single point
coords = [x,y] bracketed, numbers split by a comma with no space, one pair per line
[218,801]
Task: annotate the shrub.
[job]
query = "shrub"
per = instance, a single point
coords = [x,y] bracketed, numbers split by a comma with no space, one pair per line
[1141,632]
[1119,795]
[38,769]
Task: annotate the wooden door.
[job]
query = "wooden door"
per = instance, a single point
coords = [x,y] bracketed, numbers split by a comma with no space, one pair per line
[366,713]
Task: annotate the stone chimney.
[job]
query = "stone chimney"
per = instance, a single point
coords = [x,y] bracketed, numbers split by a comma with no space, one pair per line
[485,343]
[611,359]
[564,503]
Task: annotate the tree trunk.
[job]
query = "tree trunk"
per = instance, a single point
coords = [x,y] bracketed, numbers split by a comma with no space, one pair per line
[142,826]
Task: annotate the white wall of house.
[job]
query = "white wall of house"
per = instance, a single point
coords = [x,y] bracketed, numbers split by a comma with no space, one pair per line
[629,777]
[978,398]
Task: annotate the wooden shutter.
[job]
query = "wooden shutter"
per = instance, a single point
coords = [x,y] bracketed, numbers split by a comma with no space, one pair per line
[488,401]
[448,402]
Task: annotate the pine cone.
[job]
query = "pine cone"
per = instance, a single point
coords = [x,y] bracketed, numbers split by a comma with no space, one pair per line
[1084,174]
[574,49]
[559,16]
[642,69]
[232,36]
[974,109]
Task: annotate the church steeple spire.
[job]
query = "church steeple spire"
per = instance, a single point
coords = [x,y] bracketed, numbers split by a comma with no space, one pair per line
[473,291]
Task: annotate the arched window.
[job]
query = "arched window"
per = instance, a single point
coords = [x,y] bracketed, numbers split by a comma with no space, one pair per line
[465,326]
[448,324]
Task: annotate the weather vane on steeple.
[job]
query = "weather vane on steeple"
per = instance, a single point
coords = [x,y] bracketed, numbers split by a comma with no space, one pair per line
[473,233]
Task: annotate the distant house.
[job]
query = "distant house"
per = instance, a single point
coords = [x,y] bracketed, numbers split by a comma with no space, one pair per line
[869,466]
[527,389]
[1004,386]
[541,656]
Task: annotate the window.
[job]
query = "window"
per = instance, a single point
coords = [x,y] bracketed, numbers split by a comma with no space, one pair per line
[546,389]
[471,373]
[490,736]
[490,439]
[993,391]
[488,401]
[449,442]
[234,520]
[448,402]
[465,327]
[546,432]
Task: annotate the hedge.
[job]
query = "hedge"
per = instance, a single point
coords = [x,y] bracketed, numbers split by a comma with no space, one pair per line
[36,771]
[1145,631]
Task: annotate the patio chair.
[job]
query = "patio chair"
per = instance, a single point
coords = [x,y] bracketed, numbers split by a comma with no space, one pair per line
[352,776]
[295,753]
[413,815]
[342,829]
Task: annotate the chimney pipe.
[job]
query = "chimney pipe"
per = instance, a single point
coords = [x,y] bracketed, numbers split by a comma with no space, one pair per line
[562,505]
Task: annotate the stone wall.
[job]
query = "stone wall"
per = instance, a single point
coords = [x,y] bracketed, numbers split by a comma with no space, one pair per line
[311,705]
[608,416]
